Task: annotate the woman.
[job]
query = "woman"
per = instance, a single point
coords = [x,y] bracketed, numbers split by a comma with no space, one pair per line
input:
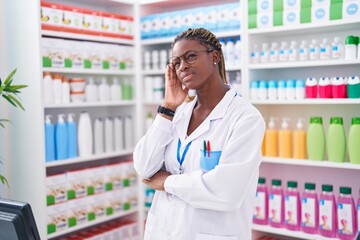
[201,156]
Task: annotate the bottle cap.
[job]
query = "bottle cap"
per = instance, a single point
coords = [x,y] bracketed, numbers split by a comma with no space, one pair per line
[263,84]
[281,84]
[292,184]
[350,40]
[300,83]
[290,83]
[299,124]
[57,76]
[276,182]
[254,84]
[310,186]
[345,190]
[336,120]
[316,120]
[272,122]
[352,80]
[327,188]
[356,40]
[261,180]
[284,123]
[355,120]
[272,84]
[48,118]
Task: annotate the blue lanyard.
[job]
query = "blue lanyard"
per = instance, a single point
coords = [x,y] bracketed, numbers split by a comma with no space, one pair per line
[181,160]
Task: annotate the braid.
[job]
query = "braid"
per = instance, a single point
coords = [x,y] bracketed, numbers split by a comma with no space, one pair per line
[206,38]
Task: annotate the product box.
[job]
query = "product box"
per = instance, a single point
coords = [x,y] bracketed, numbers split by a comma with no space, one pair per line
[210,18]
[127,57]
[109,203]
[188,19]
[291,5]
[109,24]
[320,13]
[77,212]
[199,17]
[117,201]
[133,196]
[264,6]
[306,3]
[51,16]
[129,174]
[291,17]
[95,207]
[72,19]
[56,189]
[57,218]
[351,10]
[112,177]
[320,2]
[305,15]
[252,7]
[76,184]
[53,52]
[166,22]
[92,55]
[95,180]
[176,22]
[146,27]
[252,18]
[73,54]
[125,26]
[235,16]
[223,17]
[156,25]
[278,18]
[126,199]
[264,20]
[91,22]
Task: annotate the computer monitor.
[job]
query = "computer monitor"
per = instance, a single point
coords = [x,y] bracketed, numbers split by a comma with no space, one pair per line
[17,221]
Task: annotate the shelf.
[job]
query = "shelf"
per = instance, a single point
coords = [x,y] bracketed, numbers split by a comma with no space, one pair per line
[86,37]
[162,71]
[91,104]
[311,163]
[232,69]
[93,223]
[320,63]
[317,101]
[152,103]
[288,233]
[89,71]
[335,25]
[64,162]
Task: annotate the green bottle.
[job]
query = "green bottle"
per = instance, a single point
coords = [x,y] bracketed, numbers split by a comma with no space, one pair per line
[354,141]
[315,139]
[336,140]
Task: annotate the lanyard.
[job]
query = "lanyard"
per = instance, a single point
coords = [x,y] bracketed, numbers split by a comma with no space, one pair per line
[181,160]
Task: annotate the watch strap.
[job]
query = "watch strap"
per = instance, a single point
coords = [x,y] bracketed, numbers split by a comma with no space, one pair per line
[166,111]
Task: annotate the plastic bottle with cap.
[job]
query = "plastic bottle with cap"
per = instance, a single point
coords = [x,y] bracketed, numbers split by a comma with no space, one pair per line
[327,212]
[65,90]
[353,87]
[314,50]
[299,140]
[350,48]
[346,214]
[274,52]
[61,148]
[238,52]
[85,135]
[260,215]
[315,140]
[354,141]
[284,52]
[300,89]
[309,209]
[325,50]
[304,51]
[263,90]
[99,136]
[311,87]
[337,49]
[230,52]
[290,89]
[292,207]
[72,136]
[265,53]
[254,90]
[339,87]
[115,90]
[57,88]
[255,56]
[281,90]
[271,139]
[49,139]
[325,90]
[48,89]
[272,90]
[104,91]
[91,91]
[293,52]
[276,204]
[285,139]
[336,140]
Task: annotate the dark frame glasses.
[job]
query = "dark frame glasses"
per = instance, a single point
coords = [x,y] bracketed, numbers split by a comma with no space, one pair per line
[189,57]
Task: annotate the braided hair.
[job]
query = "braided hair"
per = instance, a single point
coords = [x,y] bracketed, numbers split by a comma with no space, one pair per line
[206,38]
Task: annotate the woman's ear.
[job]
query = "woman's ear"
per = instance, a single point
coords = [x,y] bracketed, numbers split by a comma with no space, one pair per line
[216,56]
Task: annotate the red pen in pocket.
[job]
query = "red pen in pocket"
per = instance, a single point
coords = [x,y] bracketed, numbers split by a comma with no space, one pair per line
[208,148]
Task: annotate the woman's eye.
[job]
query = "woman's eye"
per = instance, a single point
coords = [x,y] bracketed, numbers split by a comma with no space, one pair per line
[176,64]
[191,56]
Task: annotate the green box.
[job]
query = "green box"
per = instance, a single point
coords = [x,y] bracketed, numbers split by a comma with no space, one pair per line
[278,18]
[305,15]
[278,5]
[252,7]
[336,1]
[306,3]
[336,11]
[252,21]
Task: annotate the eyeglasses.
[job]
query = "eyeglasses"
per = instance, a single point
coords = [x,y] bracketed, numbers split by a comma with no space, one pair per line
[189,57]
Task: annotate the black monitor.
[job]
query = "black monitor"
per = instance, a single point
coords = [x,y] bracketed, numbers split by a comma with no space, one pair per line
[17,221]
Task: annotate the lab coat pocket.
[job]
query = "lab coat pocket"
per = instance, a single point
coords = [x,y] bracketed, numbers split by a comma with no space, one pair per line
[202,236]
[208,161]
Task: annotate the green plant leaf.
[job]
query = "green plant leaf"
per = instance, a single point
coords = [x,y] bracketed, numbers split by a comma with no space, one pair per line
[17,102]
[10,76]
[2,125]
[9,100]
[4,181]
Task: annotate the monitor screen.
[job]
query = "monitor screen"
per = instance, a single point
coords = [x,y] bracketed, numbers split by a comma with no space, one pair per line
[17,221]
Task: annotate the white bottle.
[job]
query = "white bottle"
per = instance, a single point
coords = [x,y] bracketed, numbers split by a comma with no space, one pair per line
[263,90]
[85,135]
[304,51]
[104,91]
[119,133]
[238,53]
[149,120]
[265,53]
[230,54]
[163,58]
[293,51]
[325,50]
[274,52]
[147,60]
[65,90]
[115,90]
[272,90]
[314,50]
[128,129]
[337,49]
[109,135]
[48,89]
[254,54]
[223,45]
[254,90]
[155,60]
[300,89]
[91,91]
[99,136]
[57,86]
[290,89]
[284,52]
[350,48]
[281,90]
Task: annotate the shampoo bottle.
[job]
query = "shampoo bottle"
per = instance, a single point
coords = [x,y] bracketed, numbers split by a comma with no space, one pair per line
[115,90]
[48,89]
[299,141]
[285,140]
[271,139]
[85,135]
[61,151]
[91,91]
[119,133]
[261,203]
[292,207]
[311,88]
[315,140]
[353,86]
[104,91]
[336,140]
[276,204]
[72,136]
[57,88]
[128,125]
[109,135]
[339,87]
[309,209]
[49,139]
[354,141]
[65,90]
[325,90]
[327,212]
[346,215]
[98,136]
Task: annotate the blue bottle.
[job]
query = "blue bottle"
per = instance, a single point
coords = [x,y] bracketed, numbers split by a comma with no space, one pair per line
[61,151]
[72,136]
[49,139]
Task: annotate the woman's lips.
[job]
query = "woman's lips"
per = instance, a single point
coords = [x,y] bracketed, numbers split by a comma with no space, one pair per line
[187,77]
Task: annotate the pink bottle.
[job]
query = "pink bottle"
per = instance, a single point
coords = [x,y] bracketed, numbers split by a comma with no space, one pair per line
[325,87]
[311,88]
[339,87]
[327,212]
[358,214]
[276,204]
[261,203]
[292,207]
[347,226]
[309,209]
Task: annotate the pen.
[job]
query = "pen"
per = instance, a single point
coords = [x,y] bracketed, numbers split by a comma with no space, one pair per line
[204,148]
[208,148]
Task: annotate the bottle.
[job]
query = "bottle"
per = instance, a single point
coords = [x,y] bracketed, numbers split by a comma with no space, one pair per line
[325,90]
[72,136]
[272,90]
[61,151]
[299,140]
[339,87]
[254,54]
[292,207]
[300,89]
[274,52]
[276,204]
[327,212]
[263,90]
[350,48]
[85,135]
[57,88]
[337,49]
[293,51]
[261,203]
[254,90]
[128,129]
[315,141]
[163,58]
[238,52]
[109,135]
[65,90]
[353,87]
[271,139]
[99,136]
[104,91]
[49,139]
[230,52]
[155,59]
[127,93]
[304,51]
[91,91]
[346,215]
[358,214]
[336,140]
[283,52]
[223,46]
[309,209]
[119,133]
[311,87]
[285,137]
[281,90]
[354,140]
[325,53]
[48,89]
[147,60]
[264,54]
[290,89]
[149,120]
[115,90]
[314,50]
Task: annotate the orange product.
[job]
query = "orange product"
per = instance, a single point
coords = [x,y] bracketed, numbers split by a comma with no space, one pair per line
[299,141]
[285,140]
[271,139]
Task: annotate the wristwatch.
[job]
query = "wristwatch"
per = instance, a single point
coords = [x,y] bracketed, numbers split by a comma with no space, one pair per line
[166,111]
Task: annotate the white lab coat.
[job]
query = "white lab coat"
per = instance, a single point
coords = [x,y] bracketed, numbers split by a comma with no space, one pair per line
[218,204]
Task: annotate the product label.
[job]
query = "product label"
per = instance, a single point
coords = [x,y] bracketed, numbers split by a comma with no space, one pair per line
[274,56]
[303,54]
[291,210]
[345,219]
[275,208]
[255,57]
[325,215]
[259,211]
[308,212]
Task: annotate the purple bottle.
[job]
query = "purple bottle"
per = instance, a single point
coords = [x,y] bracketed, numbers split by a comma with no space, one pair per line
[261,203]
[276,204]
[309,209]
[292,207]
[347,226]
[327,212]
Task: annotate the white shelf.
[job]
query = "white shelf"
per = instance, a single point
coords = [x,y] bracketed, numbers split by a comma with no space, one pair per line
[92,223]
[152,103]
[154,72]
[231,69]
[91,104]
[90,71]
[311,163]
[64,162]
[298,64]
[86,37]
[288,233]
[315,101]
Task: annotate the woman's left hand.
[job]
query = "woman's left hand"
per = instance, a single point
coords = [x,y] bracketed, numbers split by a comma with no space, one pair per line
[157,181]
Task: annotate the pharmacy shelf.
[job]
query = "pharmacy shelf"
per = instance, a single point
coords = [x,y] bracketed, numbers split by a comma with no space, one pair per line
[311,163]
[91,104]
[97,157]
[86,37]
[315,101]
[162,71]
[152,103]
[93,223]
[334,25]
[89,71]
[288,233]
[303,64]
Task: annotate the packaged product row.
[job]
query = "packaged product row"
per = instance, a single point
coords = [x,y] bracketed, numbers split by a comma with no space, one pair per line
[72,19]
[266,14]
[326,214]
[216,18]
[63,216]
[312,143]
[69,139]
[61,53]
